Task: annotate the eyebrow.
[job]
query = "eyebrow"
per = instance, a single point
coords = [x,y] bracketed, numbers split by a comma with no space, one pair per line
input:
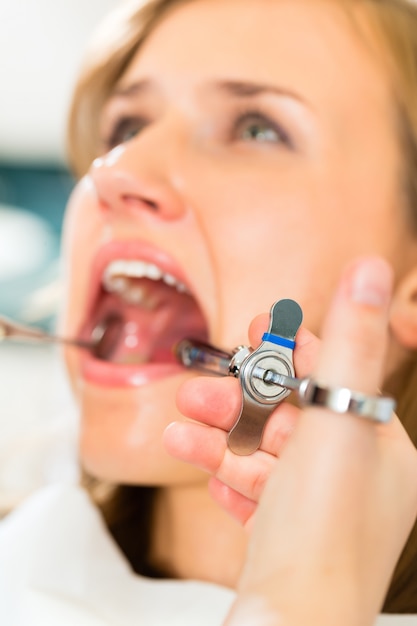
[132,89]
[247,89]
[236,88]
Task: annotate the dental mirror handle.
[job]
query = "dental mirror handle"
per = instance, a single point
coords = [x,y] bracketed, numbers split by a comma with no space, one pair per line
[13,330]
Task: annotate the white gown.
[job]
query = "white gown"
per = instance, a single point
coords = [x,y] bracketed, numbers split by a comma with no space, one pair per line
[60,567]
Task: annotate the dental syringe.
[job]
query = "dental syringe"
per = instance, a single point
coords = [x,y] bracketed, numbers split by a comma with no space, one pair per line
[206,358]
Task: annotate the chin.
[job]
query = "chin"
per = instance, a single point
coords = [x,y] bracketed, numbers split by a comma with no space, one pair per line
[121,434]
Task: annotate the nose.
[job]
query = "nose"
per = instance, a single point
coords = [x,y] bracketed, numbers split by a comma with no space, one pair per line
[126,181]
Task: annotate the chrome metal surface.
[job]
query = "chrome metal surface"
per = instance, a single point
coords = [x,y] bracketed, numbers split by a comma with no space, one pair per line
[105,335]
[13,330]
[266,375]
[344,400]
[259,374]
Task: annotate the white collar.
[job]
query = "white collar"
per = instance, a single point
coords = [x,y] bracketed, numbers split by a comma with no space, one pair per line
[56,544]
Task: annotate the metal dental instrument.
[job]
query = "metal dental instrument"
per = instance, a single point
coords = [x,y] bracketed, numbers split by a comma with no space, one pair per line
[266,375]
[337,399]
[103,335]
[204,357]
[259,397]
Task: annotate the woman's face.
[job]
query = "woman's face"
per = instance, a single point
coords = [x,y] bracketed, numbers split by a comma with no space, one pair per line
[249,153]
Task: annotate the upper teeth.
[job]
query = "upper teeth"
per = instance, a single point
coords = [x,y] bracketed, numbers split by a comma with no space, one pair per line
[116,275]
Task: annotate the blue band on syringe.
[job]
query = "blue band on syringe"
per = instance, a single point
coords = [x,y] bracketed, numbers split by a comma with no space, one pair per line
[279,341]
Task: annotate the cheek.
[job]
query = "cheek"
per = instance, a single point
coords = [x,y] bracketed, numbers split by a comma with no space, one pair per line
[80,232]
[288,234]
[276,250]
[80,215]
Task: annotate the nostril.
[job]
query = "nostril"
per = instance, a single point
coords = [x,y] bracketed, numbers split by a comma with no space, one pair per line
[135,200]
[151,204]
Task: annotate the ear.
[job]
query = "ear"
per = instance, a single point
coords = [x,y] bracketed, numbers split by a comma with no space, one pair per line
[403,314]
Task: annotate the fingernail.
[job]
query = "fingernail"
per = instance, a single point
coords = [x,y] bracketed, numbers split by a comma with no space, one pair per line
[371,282]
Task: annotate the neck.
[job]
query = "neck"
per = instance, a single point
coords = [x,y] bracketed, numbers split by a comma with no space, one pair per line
[193,538]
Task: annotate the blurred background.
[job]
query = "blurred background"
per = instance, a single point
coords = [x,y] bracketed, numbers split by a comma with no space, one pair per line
[41,46]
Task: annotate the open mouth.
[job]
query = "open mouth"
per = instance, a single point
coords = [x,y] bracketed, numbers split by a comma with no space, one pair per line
[141,313]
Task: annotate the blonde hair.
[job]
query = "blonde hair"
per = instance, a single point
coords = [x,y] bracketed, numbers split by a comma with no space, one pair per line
[394,22]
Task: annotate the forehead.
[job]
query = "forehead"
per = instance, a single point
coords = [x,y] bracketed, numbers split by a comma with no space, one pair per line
[313,44]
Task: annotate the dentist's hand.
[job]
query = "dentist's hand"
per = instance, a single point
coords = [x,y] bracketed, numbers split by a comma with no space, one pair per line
[237,481]
[336,509]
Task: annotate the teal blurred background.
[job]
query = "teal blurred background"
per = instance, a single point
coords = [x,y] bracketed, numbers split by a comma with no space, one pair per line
[32,205]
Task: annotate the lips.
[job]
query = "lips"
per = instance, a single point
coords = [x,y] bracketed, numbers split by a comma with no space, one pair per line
[147,293]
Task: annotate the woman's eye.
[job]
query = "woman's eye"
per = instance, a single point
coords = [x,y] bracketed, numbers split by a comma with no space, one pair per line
[258,128]
[125,128]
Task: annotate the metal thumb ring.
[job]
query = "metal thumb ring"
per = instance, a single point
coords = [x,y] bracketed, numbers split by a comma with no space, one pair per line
[344,400]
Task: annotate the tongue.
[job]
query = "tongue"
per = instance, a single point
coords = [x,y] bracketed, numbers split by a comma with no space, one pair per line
[149,331]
